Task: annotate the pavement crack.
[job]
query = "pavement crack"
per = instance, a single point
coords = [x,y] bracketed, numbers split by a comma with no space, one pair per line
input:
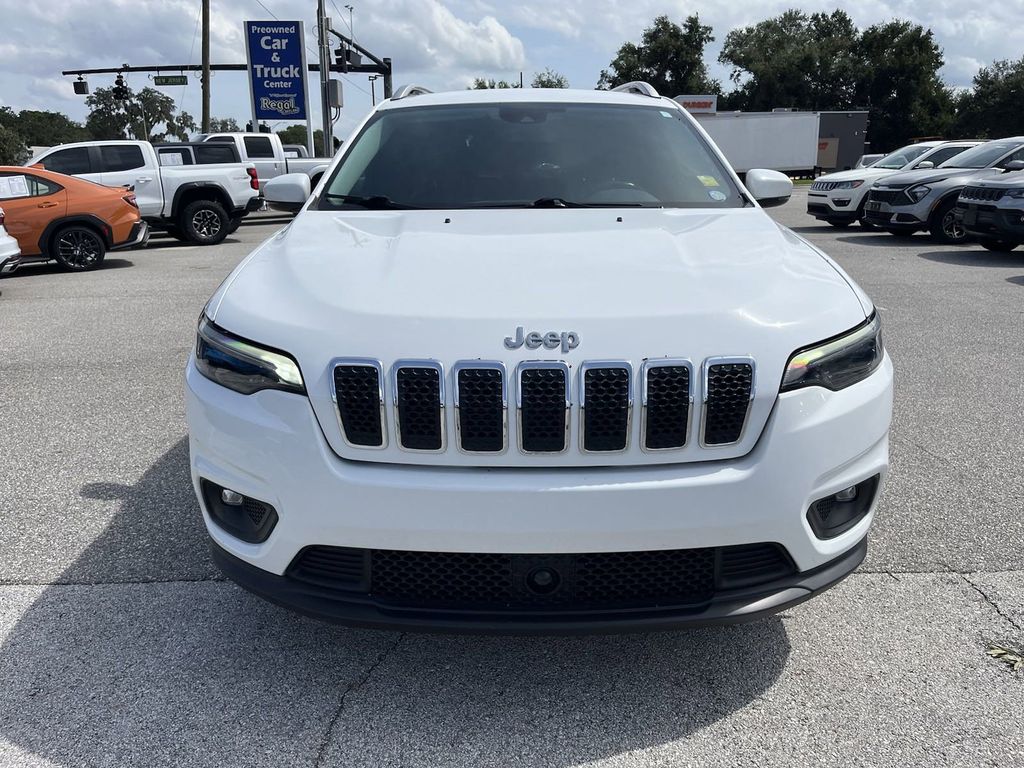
[998,609]
[352,688]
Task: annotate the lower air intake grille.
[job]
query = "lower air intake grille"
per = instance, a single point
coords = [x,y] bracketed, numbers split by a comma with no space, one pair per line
[481,414]
[497,582]
[667,407]
[357,389]
[543,410]
[730,387]
[418,399]
[606,408]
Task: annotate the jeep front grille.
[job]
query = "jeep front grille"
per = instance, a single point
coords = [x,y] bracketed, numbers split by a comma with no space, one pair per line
[544,397]
[987,194]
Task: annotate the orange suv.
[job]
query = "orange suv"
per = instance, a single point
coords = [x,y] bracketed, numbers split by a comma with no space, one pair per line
[73,221]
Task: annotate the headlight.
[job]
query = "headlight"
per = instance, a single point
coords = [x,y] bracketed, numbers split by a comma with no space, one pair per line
[1015,193]
[848,184]
[919,192]
[839,362]
[241,365]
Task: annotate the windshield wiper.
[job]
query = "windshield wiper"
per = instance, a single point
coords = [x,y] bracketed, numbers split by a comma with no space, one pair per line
[558,202]
[372,202]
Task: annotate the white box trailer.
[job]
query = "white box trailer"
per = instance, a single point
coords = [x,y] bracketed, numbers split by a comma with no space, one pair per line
[780,141]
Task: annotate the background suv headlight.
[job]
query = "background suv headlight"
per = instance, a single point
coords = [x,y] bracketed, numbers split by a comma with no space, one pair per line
[919,192]
[837,363]
[242,365]
[848,184]
[1018,194]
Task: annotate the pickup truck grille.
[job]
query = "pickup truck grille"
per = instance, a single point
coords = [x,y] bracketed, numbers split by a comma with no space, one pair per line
[982,193]
[543,397]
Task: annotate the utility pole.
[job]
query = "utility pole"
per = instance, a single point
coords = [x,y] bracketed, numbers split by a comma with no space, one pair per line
[323,25]
[206,66]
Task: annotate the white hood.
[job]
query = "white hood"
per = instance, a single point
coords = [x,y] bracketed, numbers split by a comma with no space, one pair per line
[451,285]
[867,174]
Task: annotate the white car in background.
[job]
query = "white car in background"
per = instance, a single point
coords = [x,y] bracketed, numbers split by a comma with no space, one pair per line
[839,198]
[9,249]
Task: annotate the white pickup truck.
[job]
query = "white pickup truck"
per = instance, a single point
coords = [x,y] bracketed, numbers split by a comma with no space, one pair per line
[267,153]
[198,203]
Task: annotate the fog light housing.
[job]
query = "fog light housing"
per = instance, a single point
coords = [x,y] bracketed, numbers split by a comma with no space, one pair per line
[833,515]
[241,516]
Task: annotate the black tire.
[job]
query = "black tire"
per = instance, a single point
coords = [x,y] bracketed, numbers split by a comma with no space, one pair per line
[1000,246]
[204,222]
[867,225]
[944,226]
[78,248]
[840,224]
[234,224]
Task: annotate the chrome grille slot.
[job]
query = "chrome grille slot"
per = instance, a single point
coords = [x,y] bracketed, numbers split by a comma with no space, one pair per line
[419,405]
[606,398]
[667,402]
[543,407]
[359,401]
[982,193]
[481,407]
[728,392]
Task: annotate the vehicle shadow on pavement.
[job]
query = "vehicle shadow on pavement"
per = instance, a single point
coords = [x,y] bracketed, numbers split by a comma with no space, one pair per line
[53,268]
[142,655]
[1016,280]
[885,240]
[976,256]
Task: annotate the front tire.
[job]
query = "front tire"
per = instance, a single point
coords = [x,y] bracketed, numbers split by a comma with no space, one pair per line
[204,222]
[78,248]
[944,226]
[1000,246]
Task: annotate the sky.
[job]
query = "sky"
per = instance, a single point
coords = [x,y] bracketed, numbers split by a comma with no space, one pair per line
[440,44]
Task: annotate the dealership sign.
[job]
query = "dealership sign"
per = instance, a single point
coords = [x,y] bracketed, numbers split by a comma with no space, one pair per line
[699,104]
[276,55]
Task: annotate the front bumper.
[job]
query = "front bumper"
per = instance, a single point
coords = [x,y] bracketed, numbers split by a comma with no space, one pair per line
[840,206]
[269,446]
[9,264]
[137,237]
[732,607]
[905,217]
[988,221]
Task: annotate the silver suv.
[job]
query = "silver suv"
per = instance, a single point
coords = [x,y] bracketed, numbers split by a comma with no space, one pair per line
[992,211]
[905,203]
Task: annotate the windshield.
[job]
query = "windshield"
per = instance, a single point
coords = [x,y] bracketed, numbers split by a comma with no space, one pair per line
[519,155]
[981,156]
[896,160]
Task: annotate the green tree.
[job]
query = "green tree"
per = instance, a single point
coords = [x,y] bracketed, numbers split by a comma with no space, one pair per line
[992,108]
[13,150]
[480,84]
[296,134]
[794,60]
[46,129]
[901,84]
[147,114]
[223,125]
[549,78]
[670,57]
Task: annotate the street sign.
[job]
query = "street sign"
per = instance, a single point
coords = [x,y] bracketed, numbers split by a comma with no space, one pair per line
[170,80]
[276,56]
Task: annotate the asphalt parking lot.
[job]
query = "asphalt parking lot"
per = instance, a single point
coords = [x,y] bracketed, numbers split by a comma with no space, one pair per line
[120,644]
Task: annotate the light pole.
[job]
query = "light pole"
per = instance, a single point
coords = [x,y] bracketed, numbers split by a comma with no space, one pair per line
[373,91]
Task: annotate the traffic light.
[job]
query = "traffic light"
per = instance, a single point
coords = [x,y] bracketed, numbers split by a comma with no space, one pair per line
[121,92]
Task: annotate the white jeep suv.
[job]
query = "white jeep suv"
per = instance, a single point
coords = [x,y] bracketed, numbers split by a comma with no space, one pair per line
[839,198]
[537,361]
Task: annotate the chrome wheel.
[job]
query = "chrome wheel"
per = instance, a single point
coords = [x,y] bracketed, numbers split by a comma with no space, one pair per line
[79,249]
[206,223]
[952,228]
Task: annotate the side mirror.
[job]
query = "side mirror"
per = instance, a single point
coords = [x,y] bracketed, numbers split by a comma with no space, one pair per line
[1014,165]
[769,188]
[288,192]
[925,164]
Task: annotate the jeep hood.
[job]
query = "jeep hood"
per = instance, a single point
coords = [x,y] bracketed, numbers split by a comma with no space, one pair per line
[451,285]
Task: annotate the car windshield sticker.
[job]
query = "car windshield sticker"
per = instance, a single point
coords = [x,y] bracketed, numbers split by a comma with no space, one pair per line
[708,181]
[13,186]
[715,194]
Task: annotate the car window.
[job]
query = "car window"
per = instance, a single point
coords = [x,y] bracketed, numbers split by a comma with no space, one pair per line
[70,161]
[943,154]
[216,153]
[981,156]
[514,155]
[896,160]
[1018,155]
[15,185]
[121,157]
[174,156]
[258,146]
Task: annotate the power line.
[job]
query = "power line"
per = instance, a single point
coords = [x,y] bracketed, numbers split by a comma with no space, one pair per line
[192,50]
